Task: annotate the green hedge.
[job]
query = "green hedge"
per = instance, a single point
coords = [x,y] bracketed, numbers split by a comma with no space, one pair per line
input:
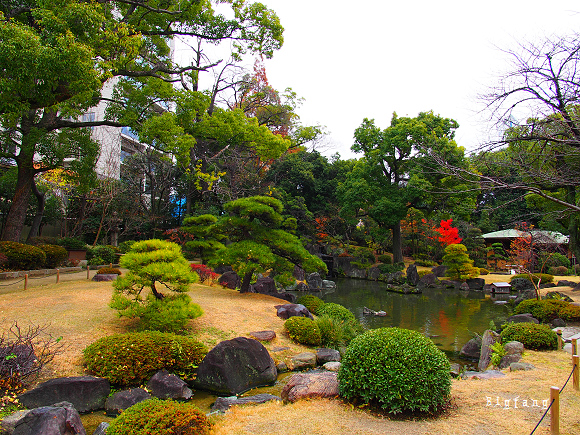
[55,255]
[535,277]
[132,358]
[160,417]
[22,257]
[397,369]
[531,335]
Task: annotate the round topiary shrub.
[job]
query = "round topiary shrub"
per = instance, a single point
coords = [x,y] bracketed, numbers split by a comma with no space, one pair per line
[303,330]
[133,358]
[55,255]
[558,270]
[160,417]
[21,256]
[531,335]
[545,310]
[311,302]
[542,278]
[483,271]
[336,311]
[396,369]
[101,254]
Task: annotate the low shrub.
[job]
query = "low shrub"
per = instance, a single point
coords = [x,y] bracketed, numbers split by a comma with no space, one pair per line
[391,268]
[577,269]
[105,253]
[558,270]
[311,302]
[422,273]
[545,310]
[337,334]
[132,358]
[206,274]
[531,335]
[170,314]
[335,311]
[160,417]
[96,261]
[396,369]
[385,258]
[42,240]
[571,313]
[545,277]
[108,271]
[303,330]
[425,263]
[483,271]
[21,256]
[55,255]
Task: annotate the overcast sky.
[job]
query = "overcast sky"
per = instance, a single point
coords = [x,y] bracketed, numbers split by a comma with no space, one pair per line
[351,60]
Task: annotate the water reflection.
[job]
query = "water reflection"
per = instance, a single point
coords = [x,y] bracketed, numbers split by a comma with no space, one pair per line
[449,317]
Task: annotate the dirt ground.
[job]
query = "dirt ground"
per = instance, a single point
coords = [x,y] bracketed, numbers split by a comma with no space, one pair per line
[77,310]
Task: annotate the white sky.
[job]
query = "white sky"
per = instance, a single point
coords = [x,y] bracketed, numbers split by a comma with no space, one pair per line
[351,60]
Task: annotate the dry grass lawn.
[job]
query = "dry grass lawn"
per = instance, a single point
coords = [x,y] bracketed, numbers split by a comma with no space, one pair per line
[78,311]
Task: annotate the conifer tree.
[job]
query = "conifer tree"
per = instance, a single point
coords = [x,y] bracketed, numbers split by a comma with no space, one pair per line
[459,265]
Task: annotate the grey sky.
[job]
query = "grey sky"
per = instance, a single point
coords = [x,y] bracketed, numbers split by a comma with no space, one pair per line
[351,60]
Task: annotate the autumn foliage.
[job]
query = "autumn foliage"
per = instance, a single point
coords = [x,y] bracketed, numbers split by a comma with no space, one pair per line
[447,234]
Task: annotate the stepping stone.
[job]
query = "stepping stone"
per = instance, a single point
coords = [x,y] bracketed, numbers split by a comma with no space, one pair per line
[488,374]
[263,335]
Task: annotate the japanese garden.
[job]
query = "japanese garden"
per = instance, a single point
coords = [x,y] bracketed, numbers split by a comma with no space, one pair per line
[180,254]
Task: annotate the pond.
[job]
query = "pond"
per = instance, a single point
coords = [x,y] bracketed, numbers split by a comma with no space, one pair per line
[450,317]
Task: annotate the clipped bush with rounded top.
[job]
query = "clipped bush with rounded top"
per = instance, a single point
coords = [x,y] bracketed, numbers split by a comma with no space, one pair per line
[396,369]
[483,271]
[133,358]
[545,310]
[106,254]
[21,256]
[303,330]
[335,311]
[311,302]
[531,335]
[545,277]
[385,258]
[558,270]
[55,255]
[160,417]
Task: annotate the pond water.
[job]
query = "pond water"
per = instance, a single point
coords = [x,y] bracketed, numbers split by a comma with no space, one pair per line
[450,317]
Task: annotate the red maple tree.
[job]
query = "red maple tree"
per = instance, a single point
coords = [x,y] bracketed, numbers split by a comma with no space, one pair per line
[447,234]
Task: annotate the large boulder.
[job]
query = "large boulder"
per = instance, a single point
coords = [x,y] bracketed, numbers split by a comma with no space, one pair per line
[101,429]
[168,386]
[521,284]
[314,281]
[489,338]
[439,271]
[265,285]
[524,295]
[230,279]
[373,273]
[476,283]
[472,349]
[263,335]
[310,385]
[299,273]
[429,280]
[122,400]
[412,275]
[344,266]
[514,351]
[222,404]
[290,310]
[86,393]
[60,419]
[235,366]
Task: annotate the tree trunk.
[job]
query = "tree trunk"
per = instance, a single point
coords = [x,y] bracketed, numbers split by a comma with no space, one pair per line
[246,282]
[17,213]
[157,295]
[41,198]
[397,243]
